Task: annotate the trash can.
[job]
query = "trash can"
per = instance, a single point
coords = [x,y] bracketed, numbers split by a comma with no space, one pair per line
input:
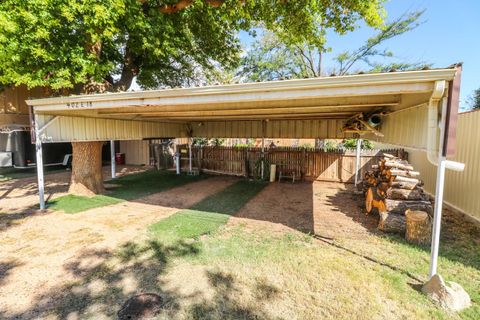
[120,158]
[273,170]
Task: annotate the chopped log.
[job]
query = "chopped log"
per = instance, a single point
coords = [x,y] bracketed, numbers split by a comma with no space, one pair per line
[374,199]
[405,179]
[418,227]
[404,194]
[403,185]
[400,206]
[404,173]
[391,222]
[390,156]
[403,165]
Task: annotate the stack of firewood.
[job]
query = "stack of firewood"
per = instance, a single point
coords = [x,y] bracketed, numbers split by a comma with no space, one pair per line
[392,188]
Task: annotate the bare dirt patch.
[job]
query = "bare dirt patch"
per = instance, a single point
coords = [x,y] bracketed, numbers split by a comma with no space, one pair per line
[323,208]
[280,206]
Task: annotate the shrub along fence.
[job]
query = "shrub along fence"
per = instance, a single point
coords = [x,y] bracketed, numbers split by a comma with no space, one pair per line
[309,164]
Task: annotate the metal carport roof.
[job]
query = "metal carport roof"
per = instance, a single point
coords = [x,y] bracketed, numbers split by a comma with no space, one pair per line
[419,110]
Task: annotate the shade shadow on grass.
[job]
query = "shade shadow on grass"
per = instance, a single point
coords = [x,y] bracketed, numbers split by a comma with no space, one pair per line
[125,188]
[207,215]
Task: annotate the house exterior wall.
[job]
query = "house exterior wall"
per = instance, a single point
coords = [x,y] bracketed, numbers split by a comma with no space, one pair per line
[461,188]
[13,109]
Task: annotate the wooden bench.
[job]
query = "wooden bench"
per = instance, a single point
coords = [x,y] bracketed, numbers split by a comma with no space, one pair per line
[284,172]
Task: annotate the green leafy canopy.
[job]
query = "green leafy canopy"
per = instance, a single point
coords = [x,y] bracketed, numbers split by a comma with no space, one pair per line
[275,55]
[95,45]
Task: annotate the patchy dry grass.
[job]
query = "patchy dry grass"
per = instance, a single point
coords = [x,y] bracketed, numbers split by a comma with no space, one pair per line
[128,187]
[207,215]
[238,274]
[206,269]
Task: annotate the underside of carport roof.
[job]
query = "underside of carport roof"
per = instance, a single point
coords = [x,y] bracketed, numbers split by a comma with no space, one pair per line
[305,108]
[419,110]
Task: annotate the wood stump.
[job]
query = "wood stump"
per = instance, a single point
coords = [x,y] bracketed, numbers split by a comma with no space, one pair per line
[418,227]
[391,222]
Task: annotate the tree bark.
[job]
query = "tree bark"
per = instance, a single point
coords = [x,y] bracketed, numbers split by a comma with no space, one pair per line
[400,206]
[87,177]
[405,194]
[391,222]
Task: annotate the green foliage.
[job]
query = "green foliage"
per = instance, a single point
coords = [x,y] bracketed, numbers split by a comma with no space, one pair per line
[352,144]
[199,142]
[405,23]
[217,142]
[103,44]
[330,145]
[275,56]
[474,100]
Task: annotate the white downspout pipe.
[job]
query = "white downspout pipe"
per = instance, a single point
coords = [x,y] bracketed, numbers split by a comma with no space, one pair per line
[436,157]
[357,162]
[432,151]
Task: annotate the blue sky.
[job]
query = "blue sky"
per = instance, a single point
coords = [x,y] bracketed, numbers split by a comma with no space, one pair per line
[450,33]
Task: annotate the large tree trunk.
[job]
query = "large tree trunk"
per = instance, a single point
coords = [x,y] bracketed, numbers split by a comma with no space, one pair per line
[87,177]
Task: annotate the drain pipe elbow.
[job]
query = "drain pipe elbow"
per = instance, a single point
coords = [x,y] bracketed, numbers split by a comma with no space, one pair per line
[433,123]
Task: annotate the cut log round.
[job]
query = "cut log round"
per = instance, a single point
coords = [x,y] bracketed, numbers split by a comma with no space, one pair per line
[400,206]
[391,222]
[369,200]
[404,194]
[374,198]
[418,227]
[87,178]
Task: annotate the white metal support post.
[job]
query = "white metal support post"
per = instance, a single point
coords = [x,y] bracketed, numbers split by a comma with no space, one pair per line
[357,162]
[112,158]
[262,168]
[39,161]
[190,155]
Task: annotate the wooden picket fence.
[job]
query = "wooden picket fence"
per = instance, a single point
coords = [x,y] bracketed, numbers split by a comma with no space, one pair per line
[309,164]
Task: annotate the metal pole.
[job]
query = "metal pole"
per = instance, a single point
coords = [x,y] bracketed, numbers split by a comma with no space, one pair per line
[38,150]
[357,162]
[263,150]
[437,213]
[190,156]
[437,217]
[112,158]
[177,161]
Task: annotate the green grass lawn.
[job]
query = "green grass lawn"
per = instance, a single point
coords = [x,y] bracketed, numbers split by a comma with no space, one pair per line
[207,215]
[129,187]
[12,173]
